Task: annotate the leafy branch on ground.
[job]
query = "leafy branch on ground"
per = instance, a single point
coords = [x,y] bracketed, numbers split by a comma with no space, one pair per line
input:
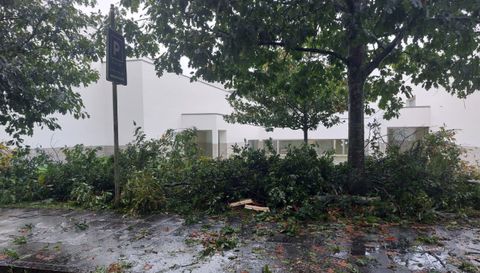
[421,183]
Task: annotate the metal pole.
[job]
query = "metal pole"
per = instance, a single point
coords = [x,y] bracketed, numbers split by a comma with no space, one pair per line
[116,171]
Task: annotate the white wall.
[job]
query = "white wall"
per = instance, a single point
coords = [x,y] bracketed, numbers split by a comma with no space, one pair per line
[98,129]
[168,97]
[454,113]
[158,104]
[154,103]
[436,109]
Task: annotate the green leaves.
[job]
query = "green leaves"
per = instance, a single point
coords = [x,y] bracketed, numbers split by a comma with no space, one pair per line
[287,93]
[46,52]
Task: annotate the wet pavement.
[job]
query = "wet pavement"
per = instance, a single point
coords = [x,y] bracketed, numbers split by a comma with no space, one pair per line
[82,241]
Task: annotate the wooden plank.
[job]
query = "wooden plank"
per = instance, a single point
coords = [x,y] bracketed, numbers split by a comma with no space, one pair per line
[257,208]
[241,203]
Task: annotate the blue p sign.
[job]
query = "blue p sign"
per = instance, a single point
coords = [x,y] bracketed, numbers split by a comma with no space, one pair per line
[116,58]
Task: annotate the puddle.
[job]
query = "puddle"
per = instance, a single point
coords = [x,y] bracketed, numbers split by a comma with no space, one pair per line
[418,258]
[358,246]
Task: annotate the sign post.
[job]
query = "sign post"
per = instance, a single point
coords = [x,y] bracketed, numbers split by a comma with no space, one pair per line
[117,74]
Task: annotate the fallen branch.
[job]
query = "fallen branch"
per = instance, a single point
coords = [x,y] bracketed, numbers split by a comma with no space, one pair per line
[437,258]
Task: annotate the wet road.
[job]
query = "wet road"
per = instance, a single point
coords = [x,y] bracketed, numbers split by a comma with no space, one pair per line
[82,241]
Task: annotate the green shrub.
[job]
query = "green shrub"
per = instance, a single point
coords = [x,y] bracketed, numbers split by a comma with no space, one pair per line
[83,195]
[37,177]
[171,174]
[143,194]
[18,179]
[83,165]
[430,176]
[300,175]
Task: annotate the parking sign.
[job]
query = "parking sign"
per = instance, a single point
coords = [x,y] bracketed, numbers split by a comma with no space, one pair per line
[116,58]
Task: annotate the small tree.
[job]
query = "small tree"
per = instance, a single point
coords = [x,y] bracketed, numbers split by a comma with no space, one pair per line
[45,51]
[289,94]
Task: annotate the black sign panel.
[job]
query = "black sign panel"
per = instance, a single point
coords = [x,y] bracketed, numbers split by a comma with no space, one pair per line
[116,58]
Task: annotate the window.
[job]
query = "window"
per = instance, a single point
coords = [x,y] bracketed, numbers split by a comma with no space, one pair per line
[324,145]
[341,146]
[405,137]
[338,146]
[204,142]
[284,144]
[254,144]
[222,144]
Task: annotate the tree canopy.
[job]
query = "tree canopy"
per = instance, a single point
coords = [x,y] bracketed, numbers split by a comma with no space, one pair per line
[430,42]
[289,94]
[47,49]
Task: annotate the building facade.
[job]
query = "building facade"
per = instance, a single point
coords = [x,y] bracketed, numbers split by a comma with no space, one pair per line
[175,102]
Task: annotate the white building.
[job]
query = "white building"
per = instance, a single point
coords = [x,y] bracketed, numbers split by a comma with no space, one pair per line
[174,102]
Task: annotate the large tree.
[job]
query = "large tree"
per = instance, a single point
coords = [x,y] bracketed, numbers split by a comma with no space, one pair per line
[380,43]
[46,50]
[289,93]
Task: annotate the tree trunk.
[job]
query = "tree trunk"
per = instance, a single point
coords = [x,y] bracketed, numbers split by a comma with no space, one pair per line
[305,135]
[305,126]
[356,80]
[356,133]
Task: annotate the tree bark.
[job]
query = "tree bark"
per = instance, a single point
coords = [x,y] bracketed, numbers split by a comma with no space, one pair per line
[356,101]
[356,133]
[305,127]
[305,135]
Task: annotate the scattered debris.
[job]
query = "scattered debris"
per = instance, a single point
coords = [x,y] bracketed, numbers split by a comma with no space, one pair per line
[20,240]
[239,241]
[241,203]
[249,204]
[257,208]
[80,226]
[27,228]
[10,253]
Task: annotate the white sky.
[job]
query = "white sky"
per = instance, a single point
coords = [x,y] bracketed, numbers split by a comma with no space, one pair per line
[104,7]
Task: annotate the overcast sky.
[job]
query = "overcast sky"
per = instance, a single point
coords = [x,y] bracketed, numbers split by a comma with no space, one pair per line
[104,7]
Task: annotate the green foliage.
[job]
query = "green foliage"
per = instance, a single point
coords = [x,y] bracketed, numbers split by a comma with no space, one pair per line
[266,269]
[468,267]
[46,51]
[80,166]
[82,177]
[428,177]
[300,175]
[84,195]
[225,239]
[20,240]
[213,183]
[11,253]
[143,194]
[289,94]
[170,174]
[18,180]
